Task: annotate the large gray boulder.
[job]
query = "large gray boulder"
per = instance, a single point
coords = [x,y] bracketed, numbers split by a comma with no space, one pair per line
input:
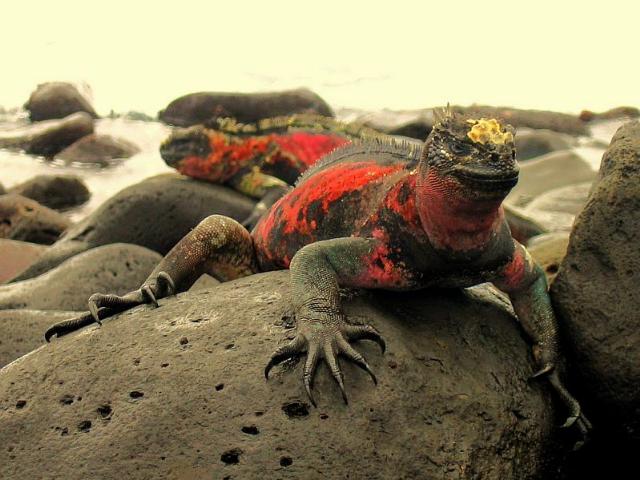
[24,219]
[534,143]
[58,192]
[56,100]
[117,268]
[179,392]
[49,137]
[596,292]
[155,213]
[202,107]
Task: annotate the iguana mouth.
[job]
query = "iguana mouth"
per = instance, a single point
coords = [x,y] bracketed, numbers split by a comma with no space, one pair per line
[488,179]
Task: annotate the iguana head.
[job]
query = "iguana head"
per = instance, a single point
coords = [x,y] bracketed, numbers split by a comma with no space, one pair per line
[211,154]
[185,142]
[472,157]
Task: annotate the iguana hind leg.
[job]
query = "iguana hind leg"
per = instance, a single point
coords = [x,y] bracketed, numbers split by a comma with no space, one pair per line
[219,246]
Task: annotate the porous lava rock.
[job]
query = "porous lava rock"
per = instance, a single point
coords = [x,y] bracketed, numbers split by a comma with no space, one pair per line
[56,100]
[596,290]
[98,149]
[15,256]
[49,137]
[155,213]
[24,219]
[203,107]
[59,192]
[179,392]
[117,268]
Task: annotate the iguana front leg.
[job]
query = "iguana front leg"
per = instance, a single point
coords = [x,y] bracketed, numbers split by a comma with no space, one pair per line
[259,185]
[525,283]
[218,245]
[317,272]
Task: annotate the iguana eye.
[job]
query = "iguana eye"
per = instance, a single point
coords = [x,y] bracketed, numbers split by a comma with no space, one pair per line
[458,148]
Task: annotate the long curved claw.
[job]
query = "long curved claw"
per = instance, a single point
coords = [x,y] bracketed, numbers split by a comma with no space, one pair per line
[149,296]
[285,352]
[309,370]
[543,371]
[93,309]
[166,283]
[356,357]
[330,357]
[364,332]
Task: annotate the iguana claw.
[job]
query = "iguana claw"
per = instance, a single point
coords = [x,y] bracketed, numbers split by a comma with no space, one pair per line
[329,348]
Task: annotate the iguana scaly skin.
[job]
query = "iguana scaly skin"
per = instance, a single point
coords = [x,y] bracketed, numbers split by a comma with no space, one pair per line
[260,160]
[382,214]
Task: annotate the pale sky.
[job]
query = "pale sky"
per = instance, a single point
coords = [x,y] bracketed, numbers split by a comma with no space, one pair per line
[139,55]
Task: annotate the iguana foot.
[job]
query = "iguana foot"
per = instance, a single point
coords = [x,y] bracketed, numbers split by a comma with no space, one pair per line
[326,339]
[156,286]
[576,416]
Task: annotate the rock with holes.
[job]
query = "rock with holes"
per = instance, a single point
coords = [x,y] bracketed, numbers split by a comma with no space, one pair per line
[548,250]
[59,192]
[179,392]
[117,268]
[24,219]
[57,100]
[98,149]
[202,107]
[16,256]
[21,331]
[154,213]
[596,292]
[49,137]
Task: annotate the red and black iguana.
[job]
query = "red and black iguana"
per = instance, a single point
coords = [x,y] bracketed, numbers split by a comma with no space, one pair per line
[381,214]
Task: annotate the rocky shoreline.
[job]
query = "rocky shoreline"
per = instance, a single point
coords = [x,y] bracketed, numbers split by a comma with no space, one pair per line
[176,392]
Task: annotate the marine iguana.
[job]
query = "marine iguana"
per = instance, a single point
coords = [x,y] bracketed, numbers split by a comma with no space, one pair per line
[384,214]
[260,160]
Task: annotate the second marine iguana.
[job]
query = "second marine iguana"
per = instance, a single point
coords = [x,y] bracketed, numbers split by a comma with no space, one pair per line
[379,215]
[261,160]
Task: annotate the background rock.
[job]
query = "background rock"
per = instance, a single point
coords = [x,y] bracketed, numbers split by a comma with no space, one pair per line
[197,108]
[554,170]
[16,256]
[548,251]
[179,392]
[24,219]
[614,113]
[98,149]
[49,137]
[534,143]
[2,189]
[22,331]
[556,209]
[154,213]
[58,192]
[538,119]
[596,297]
[117,268]
[56,100]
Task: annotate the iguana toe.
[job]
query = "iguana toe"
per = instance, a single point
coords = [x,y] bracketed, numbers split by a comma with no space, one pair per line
[364,332]
[292,349]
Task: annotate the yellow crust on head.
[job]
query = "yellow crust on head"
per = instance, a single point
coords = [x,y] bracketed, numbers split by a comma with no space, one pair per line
[488,131]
